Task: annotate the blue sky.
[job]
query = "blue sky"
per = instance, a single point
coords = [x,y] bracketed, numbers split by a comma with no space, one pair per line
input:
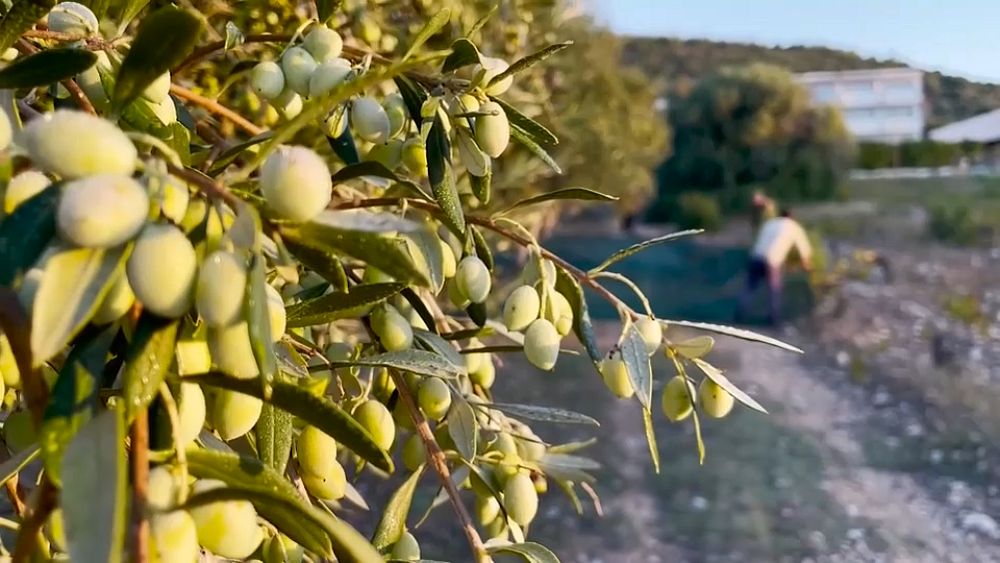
[954,36]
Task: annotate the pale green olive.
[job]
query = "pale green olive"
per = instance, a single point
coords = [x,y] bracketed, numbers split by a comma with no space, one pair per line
[532,273]
[395,108]
[173,198]
[233,414]
[414,454]
[221,288]
[651,332]
[317,452]
[415,156]
[541,344]
[227,528]
[298,66]
[377,420]
[161,270]
[560,313]
[473,279]
[388,154]
[328,75]
[520,498]
[267,79]
[193,357]
[492,68]
[116,302]
[370,120]
[714,400]
[434,397]
[336,122]
[288,103]
[296,183]
[8,364]
[19,431]
[276,313]
[23,187]
[492,129]
[487,509]
[323,43]
[521,308]
[615,376]
[329,486]
[231,351]
[161,492]
[159,89]
[676,402]
[191,411]
[72,18]
[173,538]
[485,375]
[392,329]
[448,262]
[406,548]
[75,144]
[102,211]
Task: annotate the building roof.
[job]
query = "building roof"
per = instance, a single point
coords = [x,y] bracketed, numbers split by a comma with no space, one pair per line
[982,128]
[868,73]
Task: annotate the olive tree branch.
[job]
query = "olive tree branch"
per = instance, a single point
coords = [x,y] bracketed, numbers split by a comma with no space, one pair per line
[213,106]
[139,435]
[207,185]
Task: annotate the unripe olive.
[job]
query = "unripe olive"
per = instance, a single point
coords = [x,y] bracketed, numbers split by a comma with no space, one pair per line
[615,376]
[75,144]
[336,122]
[530,448]
[368,30]
[520,498]
[191,411]
[414,454]
[267,80]
[389,154]
[19,431]
[406,548]
[23,187]
[71,17]
[328,76]
[473,279]
[395,109]
[474,160]
[714,400]
[492,130]
[487,509]
[102,211]
[227,529]
[193,357]
[331,485]
[676,401]
[173,537]
[532,273]
[521,308]
[370,120]
[560,313]
[288,103]
[316,450]
[496,529]
[448,262]
[485,375]
[276,313]
[401,417]
[434,397]
[159,89]
[377,420]
[90,82]
[493,67]
[391,328]
[505,444]
[296,183]
[194,215]
[323,43]
[298,66]
[221,288]
[55,530]
[466,103]
[6,131]
[696,347]
[161,270]
[8,364]
[455,295]
[234,414]
[9,55]
[474,361]
[231,351]
[172,198]
[116,303]
[651,332]
[415,156]
[161,493]
[541,344]
[280,549]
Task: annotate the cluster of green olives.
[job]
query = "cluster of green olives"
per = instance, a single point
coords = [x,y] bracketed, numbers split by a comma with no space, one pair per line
[680,395]
[540,312]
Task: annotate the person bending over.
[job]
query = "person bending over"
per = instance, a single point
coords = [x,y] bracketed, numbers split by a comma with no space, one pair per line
[775,241]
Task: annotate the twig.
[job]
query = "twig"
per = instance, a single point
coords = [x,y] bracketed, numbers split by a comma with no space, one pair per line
[17,326]
[74,90]
[14,495]
[205,184]
[28,544]
[210,49]
[61,36]
[139,435]
[170,405]
[215,107]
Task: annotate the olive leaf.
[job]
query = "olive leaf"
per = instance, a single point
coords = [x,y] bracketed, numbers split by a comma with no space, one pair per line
[344,147]
[234,36]
[434,343]
[583,327]
[326,8]
[320,412]
[21,16]
[329,267]
[463,428]
[635,248]
[463,53]
[568,467]
[419,362]
[413,97]
[525,139]
[735,333]
[529,551]
[531,60]
[163,40]
[482,186]
[274,437]
[425,248]
[259,321]
[17,462]
[442,179]
[716,375]
[46,67]
[393,522]
[229,155]
[544,414]
[538,132]
[433,25]
[148,359]
[654,451]
[338,305]
[94,501]
[72,287]
[74,399]
[579,194]
[371,168]
[640,373]
[26,232]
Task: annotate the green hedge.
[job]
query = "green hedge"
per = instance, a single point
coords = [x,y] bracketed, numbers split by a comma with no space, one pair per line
[913,154]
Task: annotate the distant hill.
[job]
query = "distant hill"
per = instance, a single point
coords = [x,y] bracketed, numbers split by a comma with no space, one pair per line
[678,62]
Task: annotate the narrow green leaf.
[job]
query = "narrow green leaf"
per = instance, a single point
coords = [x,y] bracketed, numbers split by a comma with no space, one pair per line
[433,25]
[636,248]
[320,412]
[483,19]
[74,399]
[46,67]
[735,333]
[326,265]
[419,307]
[463,428]
[640,373]
[21,16]
[579,194]
[164,39]
[529,551]
[229,155]
[344,147]
[413,96]
[654,451]
[716,375]
[531,60]
[583,327]
[149,358]
[370,168]
[94,501]
[419,362]
[131,10]
[393,522]
[259,322]
[525,139]
[568,467]
[180,141]
[463,54]
[544,414]
[25,233]
[17,462]
[477,312]
[442,180]
[326,8]
[482,186]
[75,281]
[372,248]
[99,7]
[538,132]
[274,437]
[425,248]
[340,305]
[434,343]
[483,250]
[567,488]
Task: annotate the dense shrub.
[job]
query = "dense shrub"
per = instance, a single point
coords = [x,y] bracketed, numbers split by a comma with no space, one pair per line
[698,211]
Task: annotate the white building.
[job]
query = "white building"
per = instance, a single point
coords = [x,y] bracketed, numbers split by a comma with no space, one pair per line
[983,128]
[884,105]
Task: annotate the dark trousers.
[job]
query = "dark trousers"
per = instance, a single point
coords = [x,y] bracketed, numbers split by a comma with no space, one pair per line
[758,271]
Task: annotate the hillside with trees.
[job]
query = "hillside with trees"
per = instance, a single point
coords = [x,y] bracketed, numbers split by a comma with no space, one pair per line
[679,63]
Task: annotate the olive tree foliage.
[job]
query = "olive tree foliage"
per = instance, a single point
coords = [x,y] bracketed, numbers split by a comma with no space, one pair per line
[215,326]
[753,126]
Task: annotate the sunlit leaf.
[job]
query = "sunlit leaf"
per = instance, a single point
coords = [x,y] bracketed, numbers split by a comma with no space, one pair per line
[274,437]
[393,522]
[530,552]
[583,327]
[716,375]
[25,233]
[431,27]
[442,178]
[531,60]
[419,362]
[654,451]
[149,357]
[735,333]
[463,53]
[578,194]
[339,305]
[21,16]
[635,248]
[463,428]
[527,141]
[46,67]
[538,132]
[544,414]
[640,373]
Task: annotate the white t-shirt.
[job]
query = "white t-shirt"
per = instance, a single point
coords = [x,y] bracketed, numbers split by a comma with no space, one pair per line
[777,237]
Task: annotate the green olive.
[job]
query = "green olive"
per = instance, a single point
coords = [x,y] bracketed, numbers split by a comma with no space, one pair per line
[388,154]
[161,493]
[173,537]
[331,485]
[8,364]
[296,183]
[395,109]
[414,454]
[541,344]
[492,67]
[406,548]
[226,528]
[159,89]
[615,376]
[231,351]
[161,270]
[492,129]
[298,66]
[19,431]
[415,156]
[323,43]
[714,400]
[370,120]
[520,498]
[328,75]
[116,303]
[377,420]
[102,211]
[267,79]
[560,313]
[75,144]
[317,452]
[233,414]
[676,401]
[392,329]
[221,288]
[434,397]
[485,374]
[473,279]
[191,411]
[652,333]
[487,509]
[521,308]
[23,187]
[73,18]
